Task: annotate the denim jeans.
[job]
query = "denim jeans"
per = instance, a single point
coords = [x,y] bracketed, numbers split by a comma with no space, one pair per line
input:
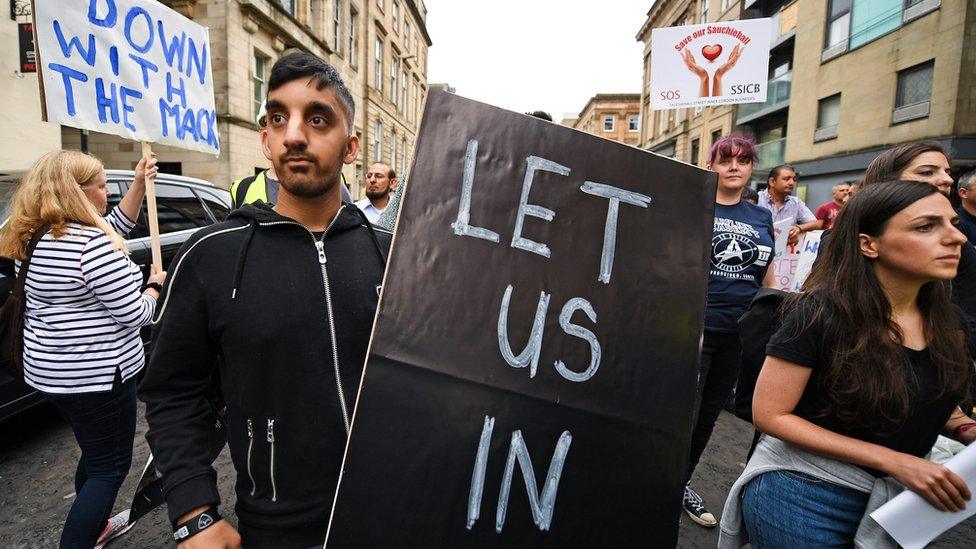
[795,510]
[104,425]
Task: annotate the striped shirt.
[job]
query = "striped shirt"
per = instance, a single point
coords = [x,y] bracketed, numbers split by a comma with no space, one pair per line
[84,311]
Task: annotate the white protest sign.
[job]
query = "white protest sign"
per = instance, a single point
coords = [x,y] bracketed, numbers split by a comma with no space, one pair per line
[808,254]
[781,231]
[133,68]
[711,64]
[913,522]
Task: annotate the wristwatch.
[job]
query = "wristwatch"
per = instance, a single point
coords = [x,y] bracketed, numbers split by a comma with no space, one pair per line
[154,285]
[196,524]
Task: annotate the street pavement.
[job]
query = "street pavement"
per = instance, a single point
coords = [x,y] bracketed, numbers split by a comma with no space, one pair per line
[38,456]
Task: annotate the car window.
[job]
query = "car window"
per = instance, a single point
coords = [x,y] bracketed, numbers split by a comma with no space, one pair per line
[217,207]
[178,209]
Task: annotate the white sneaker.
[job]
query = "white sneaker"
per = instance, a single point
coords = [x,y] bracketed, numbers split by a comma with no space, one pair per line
[695,508]
[116,526]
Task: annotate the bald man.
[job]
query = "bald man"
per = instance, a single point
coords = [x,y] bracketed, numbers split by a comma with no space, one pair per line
[380,180]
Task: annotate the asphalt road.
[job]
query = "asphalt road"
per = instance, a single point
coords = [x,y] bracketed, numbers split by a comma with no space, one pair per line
[38,456]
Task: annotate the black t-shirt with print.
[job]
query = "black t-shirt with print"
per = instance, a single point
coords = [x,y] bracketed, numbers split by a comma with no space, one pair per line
[809,344]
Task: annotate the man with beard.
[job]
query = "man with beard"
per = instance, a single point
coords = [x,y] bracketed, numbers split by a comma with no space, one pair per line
[380,180]
[281,299]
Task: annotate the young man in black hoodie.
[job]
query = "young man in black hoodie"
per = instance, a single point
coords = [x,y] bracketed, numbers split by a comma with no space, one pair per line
[284,297]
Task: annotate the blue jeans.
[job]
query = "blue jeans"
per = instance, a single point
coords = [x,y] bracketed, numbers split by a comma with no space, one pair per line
[104,425]
[795,510]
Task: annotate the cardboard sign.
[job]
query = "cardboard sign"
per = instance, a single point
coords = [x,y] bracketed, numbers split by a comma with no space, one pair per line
[808,254]
[711,64]
[532,369]
[132,68]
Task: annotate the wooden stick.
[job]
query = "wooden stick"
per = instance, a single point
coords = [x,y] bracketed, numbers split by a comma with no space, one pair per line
[157,252]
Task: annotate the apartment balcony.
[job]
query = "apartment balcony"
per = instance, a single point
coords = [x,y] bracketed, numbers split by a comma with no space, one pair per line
[777,99]
[771,154]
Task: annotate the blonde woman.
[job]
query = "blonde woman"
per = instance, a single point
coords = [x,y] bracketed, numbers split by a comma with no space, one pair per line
[85,305]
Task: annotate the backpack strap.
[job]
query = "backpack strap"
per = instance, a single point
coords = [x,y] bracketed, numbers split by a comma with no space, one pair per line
[25,264]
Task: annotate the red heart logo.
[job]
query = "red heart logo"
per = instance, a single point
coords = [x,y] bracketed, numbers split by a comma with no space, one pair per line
[712,52]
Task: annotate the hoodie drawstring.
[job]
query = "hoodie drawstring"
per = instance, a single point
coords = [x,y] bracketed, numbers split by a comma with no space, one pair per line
[242,257]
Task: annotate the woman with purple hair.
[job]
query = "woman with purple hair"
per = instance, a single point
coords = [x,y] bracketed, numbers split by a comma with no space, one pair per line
[742,249]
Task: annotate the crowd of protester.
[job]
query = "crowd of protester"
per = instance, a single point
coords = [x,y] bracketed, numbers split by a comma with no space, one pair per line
[863,370]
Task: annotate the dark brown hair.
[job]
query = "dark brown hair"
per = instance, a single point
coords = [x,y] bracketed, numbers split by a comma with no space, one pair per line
[889,164]
[865,382]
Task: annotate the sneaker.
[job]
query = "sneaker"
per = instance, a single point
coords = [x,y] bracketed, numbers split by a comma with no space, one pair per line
[695,508]
[116,526]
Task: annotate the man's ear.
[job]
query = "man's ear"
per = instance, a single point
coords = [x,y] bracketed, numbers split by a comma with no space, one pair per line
[394,182]
[868,246]
[352,149]
[963,193]
[265,146]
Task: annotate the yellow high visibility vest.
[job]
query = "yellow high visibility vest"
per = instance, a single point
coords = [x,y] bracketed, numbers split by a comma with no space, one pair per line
[248,190]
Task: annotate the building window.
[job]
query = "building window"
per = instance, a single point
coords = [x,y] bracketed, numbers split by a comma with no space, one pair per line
[838,28]
[608,122]
[393,148]
[633,123]
[402,107]
[704,11]
[828,114]
[259,77]
[353,38]
[336,24]
[403,160]
[695,151]
[914,94]
[289,5]
[377,140]
[416,100]
[379,4]
[394,73]
[395,14]
[872,18]
[406,34]
[725,5]
[716,135]
[378,73]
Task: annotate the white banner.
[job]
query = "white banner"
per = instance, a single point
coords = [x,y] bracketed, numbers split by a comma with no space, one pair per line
[132,68]
[712,64]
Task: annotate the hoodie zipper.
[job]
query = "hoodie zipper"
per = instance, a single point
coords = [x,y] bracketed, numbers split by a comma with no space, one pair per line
[274,488]
[250,446]
[320,248]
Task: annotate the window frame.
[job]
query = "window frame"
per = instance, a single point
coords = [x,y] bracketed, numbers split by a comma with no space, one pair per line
[337,26]
[353,38]
[917,110]
[378,55]
[821,131]
[259,83]
[378,140]
[612,118]
[633,122]
[394,75]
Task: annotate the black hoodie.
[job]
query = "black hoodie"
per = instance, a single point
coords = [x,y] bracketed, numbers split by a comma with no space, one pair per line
[252,291]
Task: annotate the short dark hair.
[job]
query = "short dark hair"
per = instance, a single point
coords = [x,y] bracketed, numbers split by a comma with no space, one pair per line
[738,144]
[540,114]
[299,64]
[774,173]
[889,164]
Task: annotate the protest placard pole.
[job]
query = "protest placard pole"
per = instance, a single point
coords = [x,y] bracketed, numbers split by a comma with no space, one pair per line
[157,253]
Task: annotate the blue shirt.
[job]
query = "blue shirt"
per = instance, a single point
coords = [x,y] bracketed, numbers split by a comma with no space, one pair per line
[742,248]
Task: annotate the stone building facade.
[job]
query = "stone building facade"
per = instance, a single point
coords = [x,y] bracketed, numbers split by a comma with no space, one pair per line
[915,68]
[373,44]
[614,116]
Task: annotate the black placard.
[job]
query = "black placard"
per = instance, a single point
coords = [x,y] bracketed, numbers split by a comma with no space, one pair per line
[608,443]
[28,55]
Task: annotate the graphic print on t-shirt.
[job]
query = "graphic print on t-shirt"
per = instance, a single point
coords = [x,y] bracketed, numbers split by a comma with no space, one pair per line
[735,248]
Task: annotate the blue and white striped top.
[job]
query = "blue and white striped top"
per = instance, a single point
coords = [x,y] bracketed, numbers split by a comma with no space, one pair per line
[84,311]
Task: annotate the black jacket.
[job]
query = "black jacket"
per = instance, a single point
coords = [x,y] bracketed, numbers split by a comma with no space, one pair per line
[251,292]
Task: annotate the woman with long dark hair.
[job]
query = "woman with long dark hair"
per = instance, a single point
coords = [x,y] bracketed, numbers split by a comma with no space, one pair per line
[742,248]
[928,162]
[867,368]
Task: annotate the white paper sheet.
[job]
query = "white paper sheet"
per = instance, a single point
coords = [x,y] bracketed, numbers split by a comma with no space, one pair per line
[913,522]
[781,231]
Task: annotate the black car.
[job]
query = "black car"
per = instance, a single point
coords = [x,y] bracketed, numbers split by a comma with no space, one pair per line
[183,205]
